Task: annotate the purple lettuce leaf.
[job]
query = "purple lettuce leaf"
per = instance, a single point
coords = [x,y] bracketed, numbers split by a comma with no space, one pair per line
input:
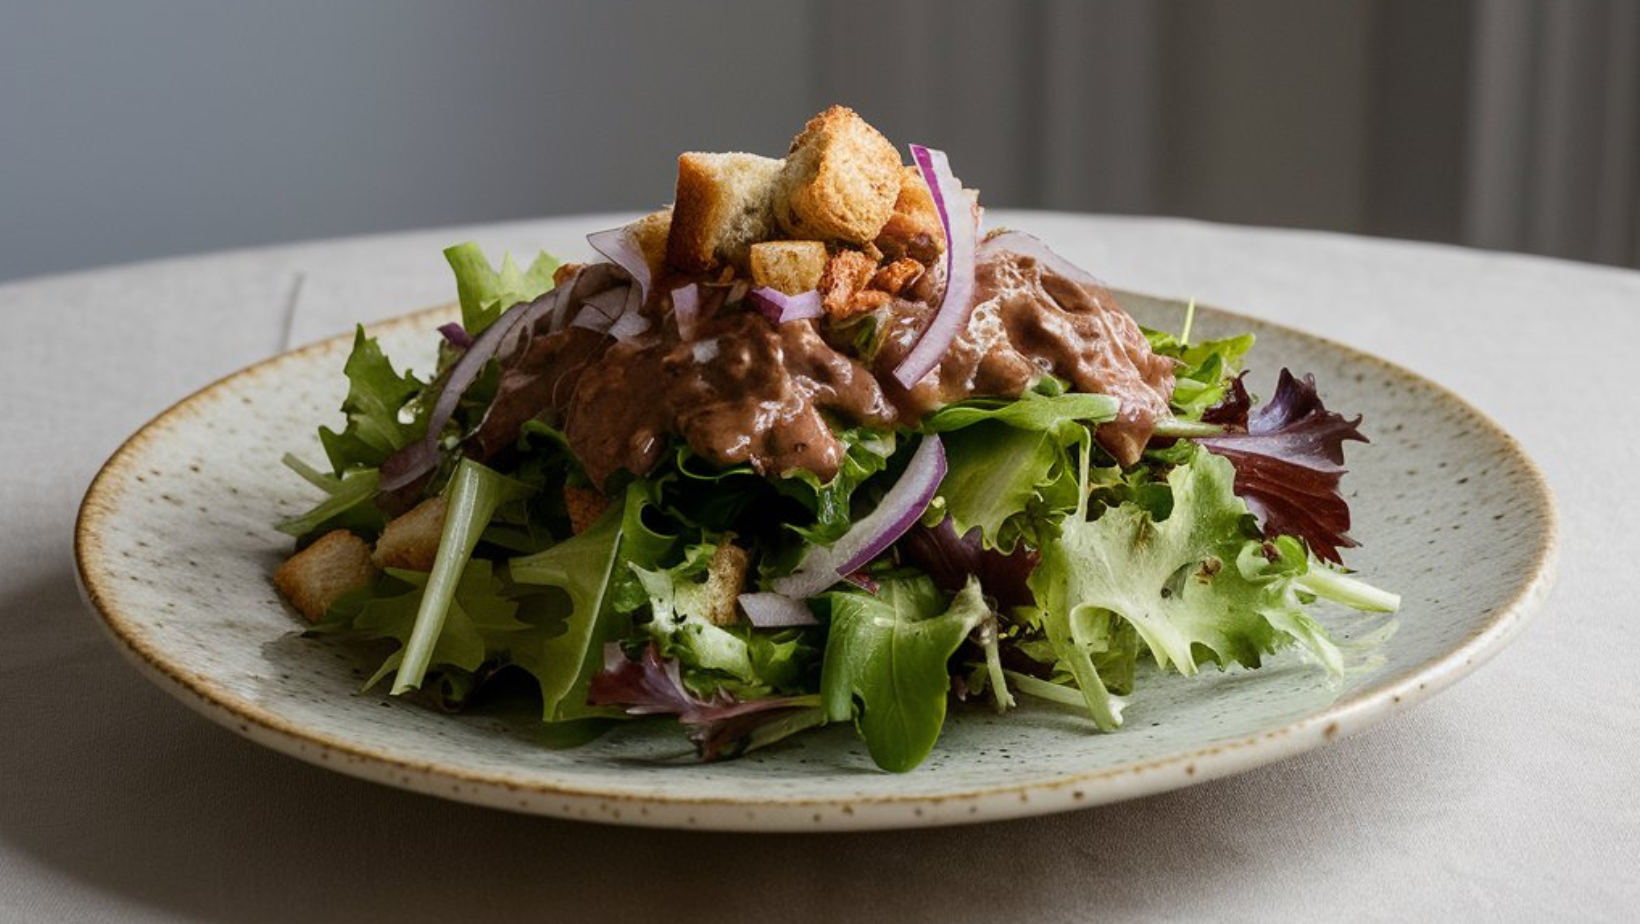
[1289,457]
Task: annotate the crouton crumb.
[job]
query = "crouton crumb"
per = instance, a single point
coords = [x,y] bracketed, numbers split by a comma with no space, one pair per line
[313,578]
[726,577]
[410,542]
[584,505]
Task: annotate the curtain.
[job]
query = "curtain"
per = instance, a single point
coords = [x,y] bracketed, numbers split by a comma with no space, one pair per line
[1510,124]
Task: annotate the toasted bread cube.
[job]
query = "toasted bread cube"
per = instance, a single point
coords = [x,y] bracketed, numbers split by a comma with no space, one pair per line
[725,578]
[788,266]
[840,180]
[313,578]
[410,541]
[650,233]
[584,505]
[725,203]
[847,274]
[913,228]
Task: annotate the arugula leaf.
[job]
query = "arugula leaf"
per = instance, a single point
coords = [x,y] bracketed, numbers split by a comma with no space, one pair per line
[485,293]
[585,568]
[885,663]
[376,397]
[348,505]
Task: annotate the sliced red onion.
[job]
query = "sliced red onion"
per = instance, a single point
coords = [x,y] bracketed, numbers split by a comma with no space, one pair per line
[771,611]
[601,311]
[618,246]
[629,327]
[1025,245]
[961,239]
[870,535]
[779,307]
[572,292]
[456,335]
[634,300]
[418,458]
[686,308]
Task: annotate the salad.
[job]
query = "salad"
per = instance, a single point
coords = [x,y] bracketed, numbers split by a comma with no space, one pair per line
[811,445]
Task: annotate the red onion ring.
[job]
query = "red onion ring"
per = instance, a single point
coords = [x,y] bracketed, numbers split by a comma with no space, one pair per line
[873,533]
[961,240]
[629,326]
[417,459]
[601,311]
[1025,245]
[619,248]
[779,307]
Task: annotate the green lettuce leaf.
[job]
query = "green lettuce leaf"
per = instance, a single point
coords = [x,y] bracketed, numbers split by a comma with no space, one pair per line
[377,396]
[1010,466]
[866,452]
[1205,369]
[1190,585]
[477,623]
[485,292]
[885,663]
[348,504]
[585,568]
[744,661]
[1031,411]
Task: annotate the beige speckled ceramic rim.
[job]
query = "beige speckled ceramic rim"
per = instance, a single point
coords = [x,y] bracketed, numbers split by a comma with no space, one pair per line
[1003,800]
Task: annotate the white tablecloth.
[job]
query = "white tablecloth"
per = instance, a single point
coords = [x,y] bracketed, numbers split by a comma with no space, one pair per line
[1512,796]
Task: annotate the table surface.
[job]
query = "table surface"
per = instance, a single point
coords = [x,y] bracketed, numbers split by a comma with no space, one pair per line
[1511,796]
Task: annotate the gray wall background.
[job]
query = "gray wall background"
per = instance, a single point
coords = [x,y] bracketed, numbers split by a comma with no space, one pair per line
[148,128]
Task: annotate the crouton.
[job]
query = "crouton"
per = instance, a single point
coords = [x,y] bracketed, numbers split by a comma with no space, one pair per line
[913,228]
[896,277]
[725,578]
[584,505]
[650,233]
[410,541]
[725,203]
[788,266]
[840,180]
[313,578]
[847,274]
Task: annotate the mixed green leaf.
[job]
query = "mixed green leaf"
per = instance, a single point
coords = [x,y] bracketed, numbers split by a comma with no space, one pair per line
[1041,568]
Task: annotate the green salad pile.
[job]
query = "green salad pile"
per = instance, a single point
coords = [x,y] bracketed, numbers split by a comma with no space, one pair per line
[1034,566]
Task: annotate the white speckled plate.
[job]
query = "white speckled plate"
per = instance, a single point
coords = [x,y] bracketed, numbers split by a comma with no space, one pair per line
[175,550]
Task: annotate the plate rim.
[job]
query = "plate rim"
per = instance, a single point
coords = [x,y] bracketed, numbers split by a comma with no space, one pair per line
[1349,714]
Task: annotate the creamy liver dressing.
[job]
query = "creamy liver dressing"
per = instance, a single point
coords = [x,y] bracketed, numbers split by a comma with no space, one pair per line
[745,391]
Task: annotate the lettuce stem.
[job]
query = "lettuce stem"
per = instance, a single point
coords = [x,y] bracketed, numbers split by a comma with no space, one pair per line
[1052,692]
[1185,429]
[1331,585]
[472,496]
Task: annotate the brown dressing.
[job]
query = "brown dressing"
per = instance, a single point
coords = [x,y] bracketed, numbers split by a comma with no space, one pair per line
[743,391]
